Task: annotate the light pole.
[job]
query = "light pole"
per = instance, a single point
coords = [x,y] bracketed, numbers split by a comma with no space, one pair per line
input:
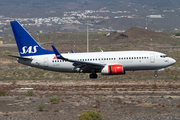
[87,37]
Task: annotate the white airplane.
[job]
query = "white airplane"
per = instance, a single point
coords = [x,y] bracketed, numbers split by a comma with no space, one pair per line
[106,63]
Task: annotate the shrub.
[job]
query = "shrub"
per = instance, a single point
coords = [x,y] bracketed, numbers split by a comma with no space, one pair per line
[29,93]
[7,51]
[156,85]
[90,115]
[55,99]
[41,107]
[177,34]
[2,93]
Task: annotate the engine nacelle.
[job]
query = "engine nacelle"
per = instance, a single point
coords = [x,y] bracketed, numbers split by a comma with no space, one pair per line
[113,70]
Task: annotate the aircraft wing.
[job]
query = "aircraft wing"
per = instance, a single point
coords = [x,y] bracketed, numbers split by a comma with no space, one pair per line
[79,64]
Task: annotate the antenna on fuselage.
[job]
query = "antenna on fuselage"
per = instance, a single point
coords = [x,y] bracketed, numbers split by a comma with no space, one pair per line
[101,49]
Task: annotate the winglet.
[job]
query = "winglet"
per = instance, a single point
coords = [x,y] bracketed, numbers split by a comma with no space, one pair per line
[58,55]
[72,51]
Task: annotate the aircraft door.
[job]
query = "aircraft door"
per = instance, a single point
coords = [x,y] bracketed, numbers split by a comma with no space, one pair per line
[46,62]
[152,57]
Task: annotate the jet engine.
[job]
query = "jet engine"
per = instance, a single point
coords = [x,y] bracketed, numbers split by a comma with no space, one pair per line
[113,70]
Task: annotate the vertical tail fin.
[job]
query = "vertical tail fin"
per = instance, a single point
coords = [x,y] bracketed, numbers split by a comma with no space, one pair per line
[26,44]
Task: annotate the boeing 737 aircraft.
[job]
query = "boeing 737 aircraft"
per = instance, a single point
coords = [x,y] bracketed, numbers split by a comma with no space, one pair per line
[106,63]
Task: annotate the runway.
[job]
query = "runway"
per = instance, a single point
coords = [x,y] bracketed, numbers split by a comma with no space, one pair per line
[126,99]
[96,87]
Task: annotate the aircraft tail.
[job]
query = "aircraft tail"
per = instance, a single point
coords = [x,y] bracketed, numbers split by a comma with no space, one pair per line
[26,44]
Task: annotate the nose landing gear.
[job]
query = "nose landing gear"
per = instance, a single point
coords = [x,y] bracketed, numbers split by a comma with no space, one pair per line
[155,74]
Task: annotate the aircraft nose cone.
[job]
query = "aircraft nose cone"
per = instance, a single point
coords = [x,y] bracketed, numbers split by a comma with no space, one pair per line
[173,61]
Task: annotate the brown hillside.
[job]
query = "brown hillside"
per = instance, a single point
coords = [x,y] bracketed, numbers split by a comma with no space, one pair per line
[134,34]
[140,33]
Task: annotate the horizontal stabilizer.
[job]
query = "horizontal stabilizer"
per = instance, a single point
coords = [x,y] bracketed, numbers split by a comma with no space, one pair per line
[20,57]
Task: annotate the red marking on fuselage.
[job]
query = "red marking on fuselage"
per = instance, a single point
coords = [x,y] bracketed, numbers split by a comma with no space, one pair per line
[55,58]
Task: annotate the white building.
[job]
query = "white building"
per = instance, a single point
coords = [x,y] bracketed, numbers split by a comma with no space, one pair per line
[154,16]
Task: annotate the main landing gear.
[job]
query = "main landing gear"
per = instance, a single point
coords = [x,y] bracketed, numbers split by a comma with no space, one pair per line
[155,74]
[93,76]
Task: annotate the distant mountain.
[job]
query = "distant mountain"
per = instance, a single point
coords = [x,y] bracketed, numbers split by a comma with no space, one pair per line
[140,33]
[157,3]
[138,10]
[35,8]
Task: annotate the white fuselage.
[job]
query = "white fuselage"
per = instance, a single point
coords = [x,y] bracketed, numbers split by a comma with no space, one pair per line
[131,60]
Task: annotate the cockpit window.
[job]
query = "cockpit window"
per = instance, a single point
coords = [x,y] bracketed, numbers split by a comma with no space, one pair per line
[163,56]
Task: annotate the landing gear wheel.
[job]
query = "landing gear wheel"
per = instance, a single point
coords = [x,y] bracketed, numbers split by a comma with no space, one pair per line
[155,74]
[93,76]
